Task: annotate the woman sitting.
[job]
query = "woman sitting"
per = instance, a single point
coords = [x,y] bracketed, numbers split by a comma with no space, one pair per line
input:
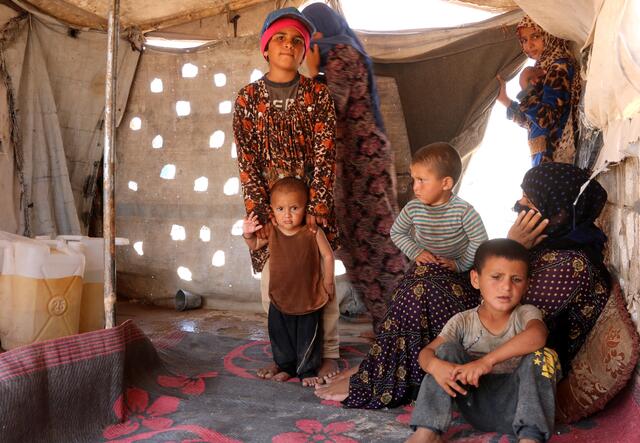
[569,283]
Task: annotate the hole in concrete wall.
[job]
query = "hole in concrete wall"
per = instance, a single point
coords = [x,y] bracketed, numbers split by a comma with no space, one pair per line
[232,186]
[184,273]
[256,74]
[256,275]
[339,268]
[189,70]
[157,142]
[156,85]
[218,259]
[220,80]
[200,184]
[225,107]
[183,108]
[178,233]
[133,186]
[205,234]
[135,124]
[236,229]
[234,151]
[216,140]
[137,246]
[168,172]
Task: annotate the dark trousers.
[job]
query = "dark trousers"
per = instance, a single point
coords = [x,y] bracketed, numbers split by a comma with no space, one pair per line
[520,403]
[296,342]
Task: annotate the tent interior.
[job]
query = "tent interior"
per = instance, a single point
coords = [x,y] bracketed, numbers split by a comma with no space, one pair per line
[177,195]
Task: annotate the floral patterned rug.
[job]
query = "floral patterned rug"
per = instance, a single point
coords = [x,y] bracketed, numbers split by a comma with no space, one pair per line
[202,388]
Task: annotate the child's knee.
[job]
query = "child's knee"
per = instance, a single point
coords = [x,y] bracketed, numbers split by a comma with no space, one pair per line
[545,361]
[450,351]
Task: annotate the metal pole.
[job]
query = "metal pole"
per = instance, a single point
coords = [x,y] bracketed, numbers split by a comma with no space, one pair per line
[108,180]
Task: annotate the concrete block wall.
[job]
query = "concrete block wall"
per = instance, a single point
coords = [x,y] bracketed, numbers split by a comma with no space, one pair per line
[621,223]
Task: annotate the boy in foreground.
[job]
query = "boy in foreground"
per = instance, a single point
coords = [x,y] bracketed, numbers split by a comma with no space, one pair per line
[490,359]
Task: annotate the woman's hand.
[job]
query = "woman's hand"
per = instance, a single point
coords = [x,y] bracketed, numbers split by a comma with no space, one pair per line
[528,229]
[313,221]
[313,56]
[263,234]
[502,92]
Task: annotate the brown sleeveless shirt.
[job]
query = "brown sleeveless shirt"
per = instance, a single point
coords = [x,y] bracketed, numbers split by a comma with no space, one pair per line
[295,279]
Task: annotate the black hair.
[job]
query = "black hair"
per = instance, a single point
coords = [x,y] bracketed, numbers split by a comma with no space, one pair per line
[503,248]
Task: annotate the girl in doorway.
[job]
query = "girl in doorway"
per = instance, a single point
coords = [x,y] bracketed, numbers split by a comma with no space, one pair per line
[548,109]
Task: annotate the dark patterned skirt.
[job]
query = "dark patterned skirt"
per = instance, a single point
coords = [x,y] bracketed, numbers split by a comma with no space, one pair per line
[424,300]
[568,289]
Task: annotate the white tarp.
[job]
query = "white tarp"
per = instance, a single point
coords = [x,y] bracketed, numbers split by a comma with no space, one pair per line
[59,81]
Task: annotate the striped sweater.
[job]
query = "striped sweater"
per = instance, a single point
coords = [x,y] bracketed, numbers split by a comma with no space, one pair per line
[453,230]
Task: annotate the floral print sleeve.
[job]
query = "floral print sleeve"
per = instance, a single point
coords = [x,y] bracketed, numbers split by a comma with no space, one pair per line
[254,185]
[324,152]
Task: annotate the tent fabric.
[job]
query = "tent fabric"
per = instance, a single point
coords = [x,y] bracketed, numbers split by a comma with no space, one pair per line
[61,129]
[403,46]
[441,103]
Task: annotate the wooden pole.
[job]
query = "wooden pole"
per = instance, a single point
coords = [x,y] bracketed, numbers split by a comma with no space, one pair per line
[108,180]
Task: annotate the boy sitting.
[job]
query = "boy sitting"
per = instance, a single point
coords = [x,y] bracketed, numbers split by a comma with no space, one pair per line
[300,281]
[490,359]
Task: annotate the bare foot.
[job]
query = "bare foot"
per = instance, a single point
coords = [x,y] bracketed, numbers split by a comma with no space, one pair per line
[311,381]
[281,376]
[268,371]
[424,435]
[328,369]
[346,374]
[336,391]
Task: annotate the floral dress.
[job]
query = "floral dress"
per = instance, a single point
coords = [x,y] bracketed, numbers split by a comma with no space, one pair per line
[296,142]
[365,194]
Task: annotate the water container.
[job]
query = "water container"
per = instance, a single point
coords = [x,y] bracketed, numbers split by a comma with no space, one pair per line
[40,290]
[92,309]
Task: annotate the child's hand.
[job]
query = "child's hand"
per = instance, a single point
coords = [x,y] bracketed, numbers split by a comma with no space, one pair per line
[448,263]
[426,257]
[442,371]
[470,373]
[330,287]
[250,225]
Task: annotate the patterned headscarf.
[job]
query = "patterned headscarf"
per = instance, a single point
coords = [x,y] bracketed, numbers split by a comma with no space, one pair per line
[556,48]
[335,31]
[553,189]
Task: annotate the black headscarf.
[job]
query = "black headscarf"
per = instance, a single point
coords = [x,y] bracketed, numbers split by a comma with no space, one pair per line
[553,189]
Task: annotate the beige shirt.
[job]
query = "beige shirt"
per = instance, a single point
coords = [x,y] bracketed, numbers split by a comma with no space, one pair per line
[467,329]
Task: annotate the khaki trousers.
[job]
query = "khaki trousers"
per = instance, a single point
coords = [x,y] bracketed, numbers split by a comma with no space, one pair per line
[330,315]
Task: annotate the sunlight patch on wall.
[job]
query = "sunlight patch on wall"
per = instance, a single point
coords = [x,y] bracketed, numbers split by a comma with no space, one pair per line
[183,108]
[133,186]
[234,151]
[218,259]
[135,124]
[220,80]
[184,273]
[236,229]
[168,172]
[256,74]
[178,233]
[216,140]
[200,184]
[157,142]
[225,107]
[339,268]
[232,186]
[189,70]
[205,234]
[137,246]
[156,85]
